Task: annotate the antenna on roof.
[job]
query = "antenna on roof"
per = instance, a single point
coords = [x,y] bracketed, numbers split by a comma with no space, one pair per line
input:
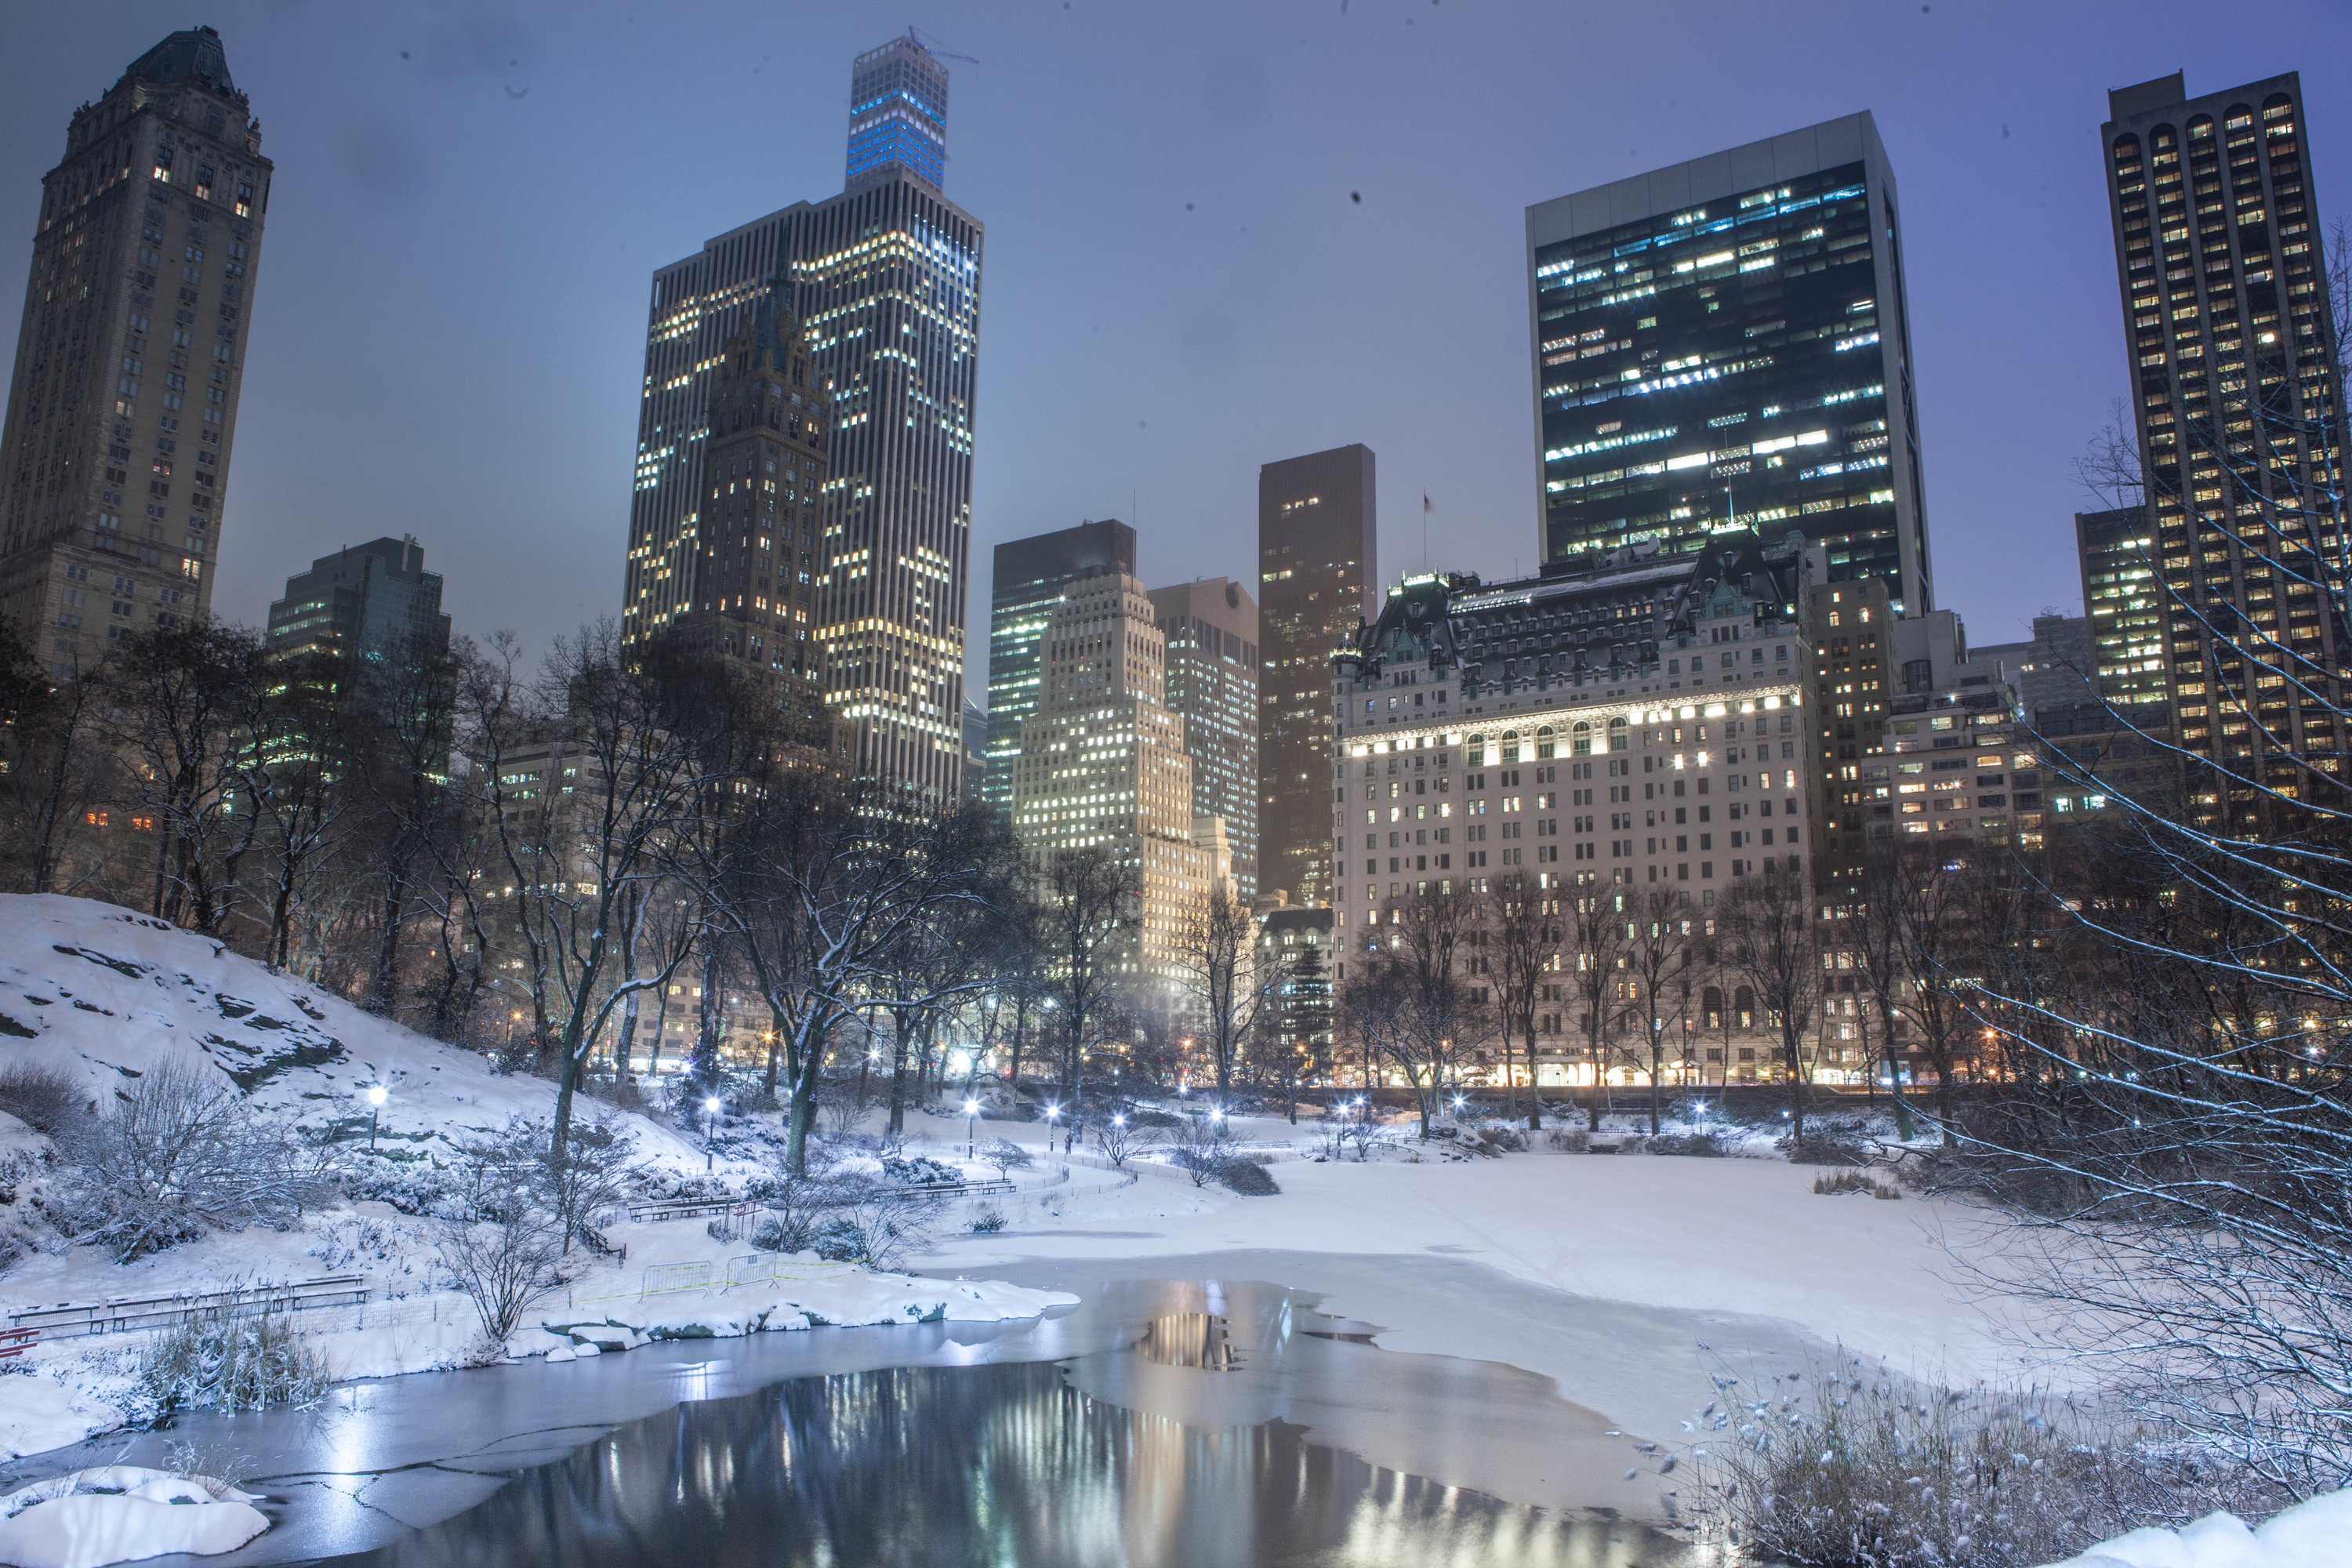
[916,38]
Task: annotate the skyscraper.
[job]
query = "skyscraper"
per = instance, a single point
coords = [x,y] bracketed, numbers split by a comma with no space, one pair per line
[1029,577]
[1211,628]
[2239,420]
[886,282]
[122,409]
[371,597]
[1723,342]
[1318,578]
[1102,764]
[2124,602]
[755,602]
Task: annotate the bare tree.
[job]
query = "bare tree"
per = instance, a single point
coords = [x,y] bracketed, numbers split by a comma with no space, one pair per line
[1407,998]
[1769,940]
[1523,957]
[1088,901]
[1215,947]
[1599,925]
[56,775]
[1658,949]
[1874,929]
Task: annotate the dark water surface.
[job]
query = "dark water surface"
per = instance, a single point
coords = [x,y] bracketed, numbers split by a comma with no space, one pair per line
[1184,1423]
[990,1464]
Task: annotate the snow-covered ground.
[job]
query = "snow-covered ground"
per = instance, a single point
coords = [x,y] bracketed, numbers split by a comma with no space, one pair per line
[106,995]
[1615,1275]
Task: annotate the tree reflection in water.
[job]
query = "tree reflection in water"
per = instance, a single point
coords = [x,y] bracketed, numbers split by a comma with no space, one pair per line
[997,1464]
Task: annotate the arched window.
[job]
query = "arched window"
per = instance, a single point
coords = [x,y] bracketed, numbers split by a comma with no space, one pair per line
[1544,745]
[1579,740]
[1510,745]
[1473,751]
[1619,738]
[1711,1004]
[2202,130]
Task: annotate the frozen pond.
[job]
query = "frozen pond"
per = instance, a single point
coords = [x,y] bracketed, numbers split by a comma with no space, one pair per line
[1165,1421]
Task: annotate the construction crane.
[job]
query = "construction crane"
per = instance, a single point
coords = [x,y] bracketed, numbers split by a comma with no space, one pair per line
[932,48]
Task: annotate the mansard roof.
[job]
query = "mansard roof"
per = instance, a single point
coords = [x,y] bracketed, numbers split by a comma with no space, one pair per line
[1589,611]
[192,55]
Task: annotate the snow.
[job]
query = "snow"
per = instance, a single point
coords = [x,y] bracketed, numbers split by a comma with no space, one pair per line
[99,991]
[105,994]
[121,1513]
[2313,1534]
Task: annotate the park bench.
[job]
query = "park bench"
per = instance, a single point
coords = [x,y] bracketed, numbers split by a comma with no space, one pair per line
[125,1314]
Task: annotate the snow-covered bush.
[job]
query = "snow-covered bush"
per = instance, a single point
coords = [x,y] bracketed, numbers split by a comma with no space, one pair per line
[1851,1181]
[874,1222]
[222,1361]
[1837,1140]
[48,1102]
[183,1151]
[1703,1144]
[1857,1468]
[1248,1178]
[921,1170]
[839,1240]
[504,1247]
[987,1222]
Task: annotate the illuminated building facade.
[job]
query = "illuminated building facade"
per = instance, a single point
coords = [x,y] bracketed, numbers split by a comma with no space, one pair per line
[1028,581]
[122,409]
[756,599]
[1633,731]
[1318,569]
[1724,343]
[370,599]
[1211,628]
[2229,328]
[1103,763]
[885,280]
[2124,601]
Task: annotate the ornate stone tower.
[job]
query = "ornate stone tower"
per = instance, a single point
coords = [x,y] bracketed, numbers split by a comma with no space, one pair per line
[123,410]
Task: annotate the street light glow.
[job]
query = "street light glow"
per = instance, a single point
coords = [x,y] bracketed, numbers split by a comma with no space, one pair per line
[971,1108]
[710,1105]
[377,1094]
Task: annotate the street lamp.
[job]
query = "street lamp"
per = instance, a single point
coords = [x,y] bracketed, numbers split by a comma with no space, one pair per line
[376,1095]
[1052,1119]
[972,1129]
[709,1119]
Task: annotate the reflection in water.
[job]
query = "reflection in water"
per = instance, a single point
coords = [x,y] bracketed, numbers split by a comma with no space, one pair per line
[1196,1340]
[992,1464]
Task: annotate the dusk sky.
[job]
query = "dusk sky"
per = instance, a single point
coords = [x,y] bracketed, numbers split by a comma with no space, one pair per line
[1179,282]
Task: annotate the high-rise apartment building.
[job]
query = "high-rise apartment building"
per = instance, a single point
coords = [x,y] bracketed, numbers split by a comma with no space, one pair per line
[371,598]
[1319,576]
[763,459]
[1723,343]
[1211,628]
[1103,764]
[1029,577]
[122,409]
[2123,598]
[2239,420]
[885,279]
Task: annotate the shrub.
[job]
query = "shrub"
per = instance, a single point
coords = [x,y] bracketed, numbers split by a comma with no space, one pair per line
[1854,1181]
[231,1362]
[987,1221]
[1248,1178]
[182,1153]
[1575,1142]
[1834,1140]
[840,1240]
[48,1101]
[921,1170]
[1701,1144]
[1858,1469]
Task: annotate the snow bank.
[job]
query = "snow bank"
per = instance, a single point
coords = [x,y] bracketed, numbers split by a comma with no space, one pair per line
[101,992]
[37,1413]
[119,1513]
[842,1296]
[2316,1534]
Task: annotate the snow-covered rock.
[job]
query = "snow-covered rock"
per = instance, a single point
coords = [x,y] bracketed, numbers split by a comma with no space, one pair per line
[121,1513]
[105,994]
[2313,1534]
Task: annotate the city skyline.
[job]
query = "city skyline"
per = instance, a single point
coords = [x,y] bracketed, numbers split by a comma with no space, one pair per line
[382,156]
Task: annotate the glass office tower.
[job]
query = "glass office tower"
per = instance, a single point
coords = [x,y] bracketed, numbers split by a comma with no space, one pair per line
[1723,343]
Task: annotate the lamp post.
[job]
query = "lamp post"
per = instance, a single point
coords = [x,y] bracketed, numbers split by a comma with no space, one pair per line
[376,1095]
[709,1119]
[1053,1120]
[972,1129]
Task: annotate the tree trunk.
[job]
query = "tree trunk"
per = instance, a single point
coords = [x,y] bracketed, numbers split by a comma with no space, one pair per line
[898,1122]
[626,1048]
[775,1050]
[705,1071]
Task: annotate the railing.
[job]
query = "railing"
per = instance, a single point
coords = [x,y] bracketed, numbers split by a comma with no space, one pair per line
[16,1341]
[123,1314]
